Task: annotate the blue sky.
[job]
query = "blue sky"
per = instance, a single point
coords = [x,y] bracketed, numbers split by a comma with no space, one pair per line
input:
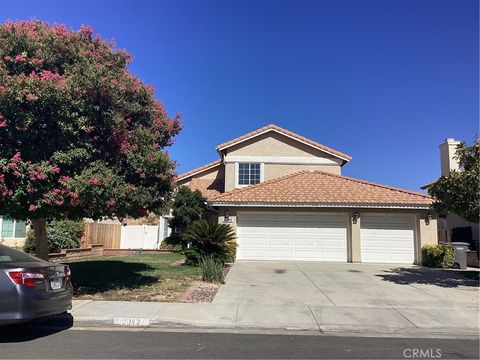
[385,81]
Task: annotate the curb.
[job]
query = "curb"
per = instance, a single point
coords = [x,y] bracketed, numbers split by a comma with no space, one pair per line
[148,324]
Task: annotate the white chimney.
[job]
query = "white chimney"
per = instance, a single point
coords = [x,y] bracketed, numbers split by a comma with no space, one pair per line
[447,153]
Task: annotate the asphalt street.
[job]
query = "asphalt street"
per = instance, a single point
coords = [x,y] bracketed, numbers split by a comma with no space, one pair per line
[53,343]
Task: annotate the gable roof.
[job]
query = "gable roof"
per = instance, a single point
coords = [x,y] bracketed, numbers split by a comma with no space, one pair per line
[210,188]
[208,166]
[318,188]
[278,129]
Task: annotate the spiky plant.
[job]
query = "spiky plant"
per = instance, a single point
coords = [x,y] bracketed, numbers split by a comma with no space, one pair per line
[208,238]
[212,269]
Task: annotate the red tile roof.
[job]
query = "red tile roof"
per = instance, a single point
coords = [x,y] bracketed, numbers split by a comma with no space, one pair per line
[315,144]
[321,188]
[199,169]
[210,188]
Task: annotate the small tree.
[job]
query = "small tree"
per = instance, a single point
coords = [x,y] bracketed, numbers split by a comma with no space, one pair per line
[458,192]
[80,136]
[188,207]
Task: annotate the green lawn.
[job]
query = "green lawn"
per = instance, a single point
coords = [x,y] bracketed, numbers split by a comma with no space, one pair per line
[144,277]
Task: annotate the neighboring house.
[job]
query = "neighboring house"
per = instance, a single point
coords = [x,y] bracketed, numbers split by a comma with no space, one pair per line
[286,199]
[453,227]
[12,232]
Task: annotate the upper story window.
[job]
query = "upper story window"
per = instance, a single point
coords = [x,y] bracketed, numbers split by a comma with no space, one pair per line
[249,174]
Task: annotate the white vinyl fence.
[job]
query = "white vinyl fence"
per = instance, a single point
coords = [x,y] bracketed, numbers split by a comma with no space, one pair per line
[140,237]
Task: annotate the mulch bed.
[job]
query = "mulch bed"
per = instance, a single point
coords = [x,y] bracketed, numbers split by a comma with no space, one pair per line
[201,292]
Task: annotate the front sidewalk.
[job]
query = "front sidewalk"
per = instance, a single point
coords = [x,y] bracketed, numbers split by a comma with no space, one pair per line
[322,319]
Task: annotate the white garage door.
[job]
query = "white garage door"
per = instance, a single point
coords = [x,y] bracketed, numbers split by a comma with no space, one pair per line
[292,236]
[387,238]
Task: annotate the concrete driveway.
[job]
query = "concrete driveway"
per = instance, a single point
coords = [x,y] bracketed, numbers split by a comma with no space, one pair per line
[348,285]
[339,297]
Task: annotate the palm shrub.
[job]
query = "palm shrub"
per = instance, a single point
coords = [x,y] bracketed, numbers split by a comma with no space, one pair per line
[61,234]
[212,269]
[208,238]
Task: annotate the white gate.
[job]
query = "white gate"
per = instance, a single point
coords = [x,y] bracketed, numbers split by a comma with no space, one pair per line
[140,237]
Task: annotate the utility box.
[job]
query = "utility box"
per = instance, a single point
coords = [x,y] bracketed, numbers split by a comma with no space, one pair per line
[461,249]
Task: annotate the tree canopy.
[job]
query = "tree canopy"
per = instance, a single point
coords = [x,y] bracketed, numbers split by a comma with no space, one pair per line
[80,136]
[458,192]
[187,207]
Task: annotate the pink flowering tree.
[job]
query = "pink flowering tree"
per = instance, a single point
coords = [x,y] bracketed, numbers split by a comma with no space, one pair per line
[80,136]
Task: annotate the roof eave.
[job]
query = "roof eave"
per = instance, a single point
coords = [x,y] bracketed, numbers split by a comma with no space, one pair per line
[195,172]
[320,205]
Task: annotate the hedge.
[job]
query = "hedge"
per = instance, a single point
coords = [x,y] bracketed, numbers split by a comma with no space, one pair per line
[438,256]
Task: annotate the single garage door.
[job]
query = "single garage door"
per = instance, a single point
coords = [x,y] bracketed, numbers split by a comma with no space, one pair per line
[387,238]
[292,236]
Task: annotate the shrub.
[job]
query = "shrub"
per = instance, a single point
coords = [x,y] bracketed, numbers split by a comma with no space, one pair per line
[171,247]
[61,234]
[174,241]
[29,246]
[192,256]
[438,256]
[231,252]
[208,238]
[212,269]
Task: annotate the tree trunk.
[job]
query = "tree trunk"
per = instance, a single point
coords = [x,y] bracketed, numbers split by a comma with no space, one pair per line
[41,244]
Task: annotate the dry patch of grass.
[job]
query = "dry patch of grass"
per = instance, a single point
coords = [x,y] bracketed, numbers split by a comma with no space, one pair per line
[144,277]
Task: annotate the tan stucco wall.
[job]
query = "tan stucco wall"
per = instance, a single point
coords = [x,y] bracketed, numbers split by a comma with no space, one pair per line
[274,144]
[447,156]
[268,145]
[355,252]
[424,234]
[218,172]
[13,242]
[229,176]
[273,171]
[428,233]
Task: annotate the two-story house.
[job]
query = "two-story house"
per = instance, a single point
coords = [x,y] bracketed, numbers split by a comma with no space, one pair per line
[286,199]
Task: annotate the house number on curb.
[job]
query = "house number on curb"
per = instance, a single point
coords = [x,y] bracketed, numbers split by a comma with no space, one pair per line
[132,321]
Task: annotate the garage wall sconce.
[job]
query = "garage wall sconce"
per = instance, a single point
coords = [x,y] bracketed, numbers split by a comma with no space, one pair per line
[428,218]
[226,216]
[356,216]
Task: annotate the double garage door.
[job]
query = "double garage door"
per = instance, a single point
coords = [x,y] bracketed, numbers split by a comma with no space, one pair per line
[292,236]
[323,237]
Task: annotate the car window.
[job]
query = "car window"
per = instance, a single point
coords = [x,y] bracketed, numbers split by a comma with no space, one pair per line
[10,255]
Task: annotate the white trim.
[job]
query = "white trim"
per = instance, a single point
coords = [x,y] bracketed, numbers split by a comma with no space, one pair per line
[306,205]
[199,171]
[262,171]
[293,212]
[281,160]
[282,133]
